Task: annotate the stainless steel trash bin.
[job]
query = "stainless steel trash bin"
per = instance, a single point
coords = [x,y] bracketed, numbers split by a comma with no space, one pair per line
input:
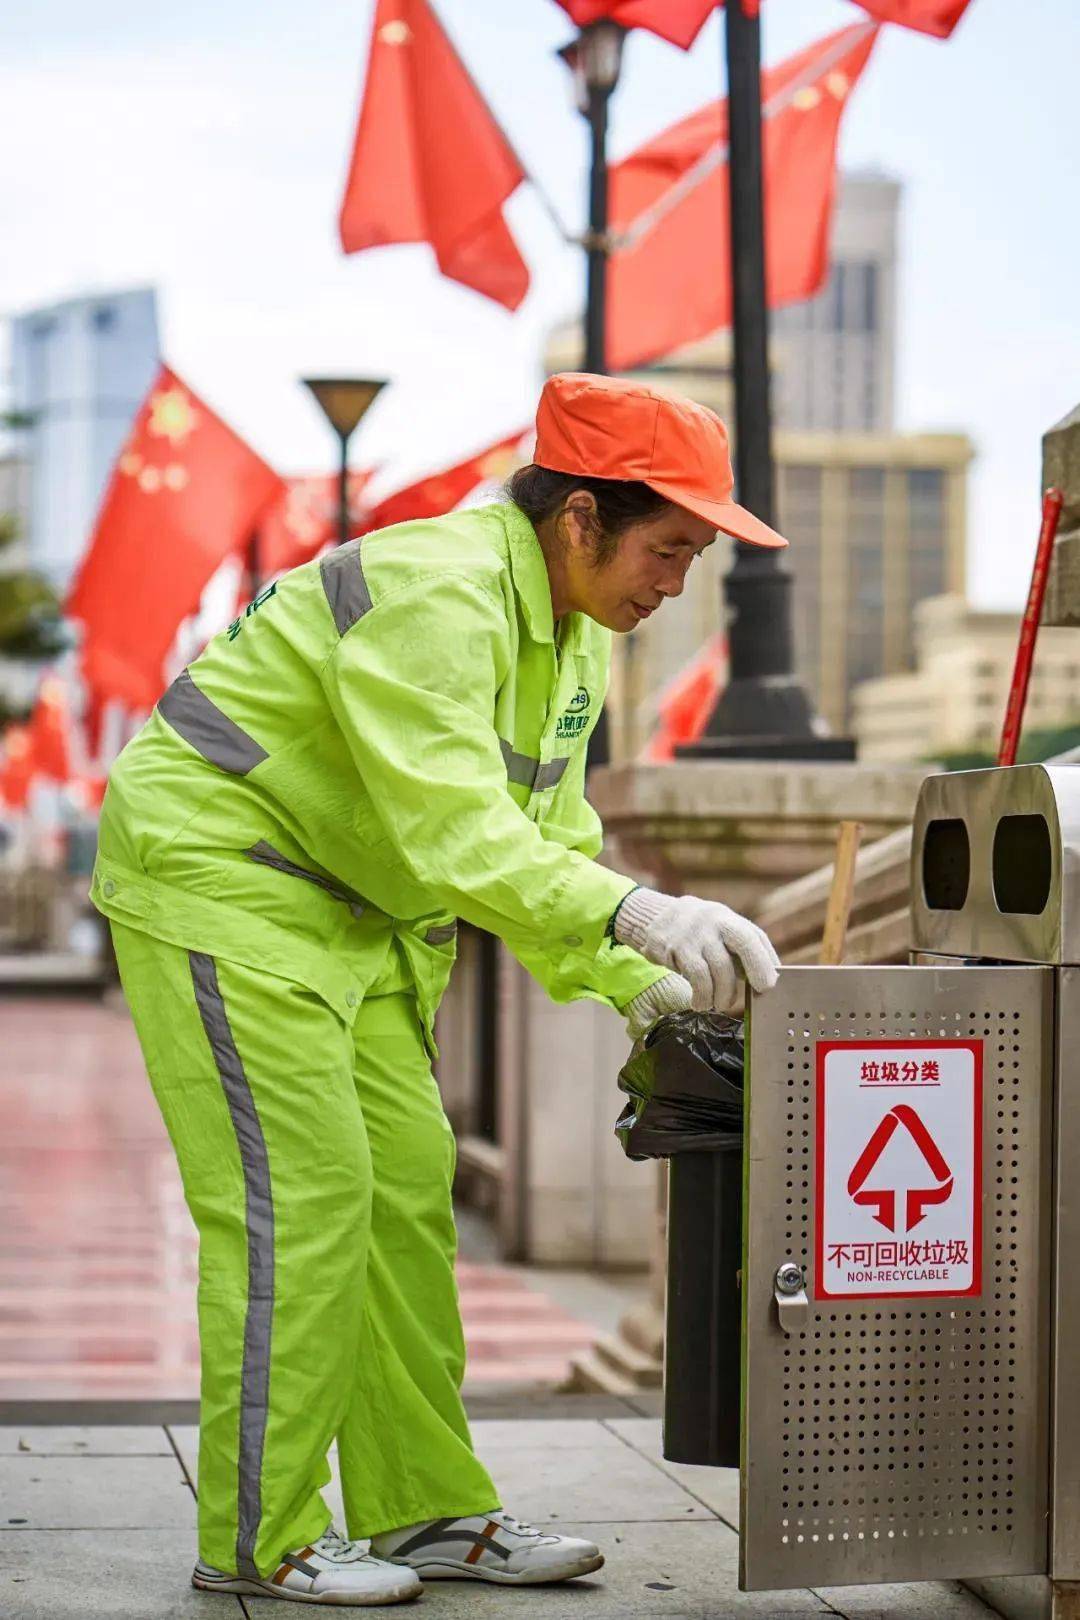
[910,1330]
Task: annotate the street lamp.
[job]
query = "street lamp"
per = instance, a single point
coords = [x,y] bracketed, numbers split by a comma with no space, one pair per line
[595,59]
[343,401]
[765,711]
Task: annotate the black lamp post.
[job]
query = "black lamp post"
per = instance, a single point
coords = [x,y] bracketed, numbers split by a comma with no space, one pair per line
[595,59]
[765,711]
[343,401]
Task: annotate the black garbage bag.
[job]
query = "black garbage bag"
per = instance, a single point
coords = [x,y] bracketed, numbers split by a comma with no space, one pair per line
[684,1079]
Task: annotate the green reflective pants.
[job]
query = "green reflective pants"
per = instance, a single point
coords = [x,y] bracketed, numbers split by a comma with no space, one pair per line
[316,1162]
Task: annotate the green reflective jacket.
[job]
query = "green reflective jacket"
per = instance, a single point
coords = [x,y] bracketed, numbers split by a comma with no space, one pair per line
[387,739]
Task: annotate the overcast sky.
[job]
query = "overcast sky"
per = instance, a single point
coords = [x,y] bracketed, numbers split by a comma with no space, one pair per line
[202,148]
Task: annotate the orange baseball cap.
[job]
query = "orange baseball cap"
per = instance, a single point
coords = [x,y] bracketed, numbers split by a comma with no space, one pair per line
[607,427]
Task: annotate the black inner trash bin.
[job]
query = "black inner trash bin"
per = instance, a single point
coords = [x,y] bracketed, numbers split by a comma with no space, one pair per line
[685,1084]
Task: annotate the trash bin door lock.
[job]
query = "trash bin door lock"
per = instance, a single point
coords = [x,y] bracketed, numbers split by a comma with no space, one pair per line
[789,1291]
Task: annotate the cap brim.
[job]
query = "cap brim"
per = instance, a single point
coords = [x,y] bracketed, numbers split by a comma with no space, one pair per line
[727,516]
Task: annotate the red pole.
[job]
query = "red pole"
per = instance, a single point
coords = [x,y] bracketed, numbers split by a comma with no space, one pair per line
[1053,501]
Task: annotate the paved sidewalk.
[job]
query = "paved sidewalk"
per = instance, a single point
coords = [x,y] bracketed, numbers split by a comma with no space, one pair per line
[98,1251]
[100,1522]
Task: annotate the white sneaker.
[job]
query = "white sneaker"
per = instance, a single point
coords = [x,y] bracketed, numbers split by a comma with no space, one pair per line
[330,1570]
[488,1547]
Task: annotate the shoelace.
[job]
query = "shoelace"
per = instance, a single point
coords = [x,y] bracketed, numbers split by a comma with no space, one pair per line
[334,1546]
[508,1521]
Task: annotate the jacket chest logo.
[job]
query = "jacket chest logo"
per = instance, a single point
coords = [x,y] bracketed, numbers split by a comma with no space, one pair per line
[575,717]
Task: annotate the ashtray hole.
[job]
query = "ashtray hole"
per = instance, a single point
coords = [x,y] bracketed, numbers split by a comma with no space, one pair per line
[946,864]
[1022,864]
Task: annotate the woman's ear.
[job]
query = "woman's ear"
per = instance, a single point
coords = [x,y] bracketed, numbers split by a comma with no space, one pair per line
[580,519]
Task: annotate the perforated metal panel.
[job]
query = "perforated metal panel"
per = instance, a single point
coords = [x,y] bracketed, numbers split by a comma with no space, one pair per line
[898,1439]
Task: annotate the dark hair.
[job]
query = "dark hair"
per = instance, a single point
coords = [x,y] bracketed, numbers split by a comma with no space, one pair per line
[620,504]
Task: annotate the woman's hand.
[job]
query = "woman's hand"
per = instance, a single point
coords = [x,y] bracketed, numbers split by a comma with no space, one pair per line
[704,941]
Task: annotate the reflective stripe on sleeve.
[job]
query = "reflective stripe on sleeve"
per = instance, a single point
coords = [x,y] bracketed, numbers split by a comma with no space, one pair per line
[547,775]
[345,585]
[528,772]
[208,729]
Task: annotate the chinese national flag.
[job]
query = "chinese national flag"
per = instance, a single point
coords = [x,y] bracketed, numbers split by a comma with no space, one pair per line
[16,767]
[688,701]
[50,732]
[678,21]
[937,17]
[305,519]
[441,492]
[86,793]
[430,164]
[673,285]
[185,492]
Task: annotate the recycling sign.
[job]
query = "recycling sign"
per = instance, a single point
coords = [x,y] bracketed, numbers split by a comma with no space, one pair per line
[898,1169]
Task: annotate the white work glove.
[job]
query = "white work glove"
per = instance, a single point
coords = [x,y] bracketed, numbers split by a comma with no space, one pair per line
[701,939]
[671,994]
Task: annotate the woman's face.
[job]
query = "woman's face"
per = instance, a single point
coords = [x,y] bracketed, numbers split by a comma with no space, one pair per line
[650,563]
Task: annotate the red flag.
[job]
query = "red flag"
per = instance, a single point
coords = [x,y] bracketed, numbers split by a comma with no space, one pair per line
[16,767]
[87,792]
[673,284]
[50,732]
[94,706]
[678,21]
[687,701]
[430,164]
[937,17]
[305,519]
[441,492]
[186,491]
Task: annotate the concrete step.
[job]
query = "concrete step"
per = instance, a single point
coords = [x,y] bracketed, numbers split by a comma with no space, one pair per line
[643,1371]
[642,1327]
[612,1366]
[590,1375]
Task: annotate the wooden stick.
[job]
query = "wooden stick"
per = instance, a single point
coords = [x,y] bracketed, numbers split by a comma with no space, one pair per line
[841,894]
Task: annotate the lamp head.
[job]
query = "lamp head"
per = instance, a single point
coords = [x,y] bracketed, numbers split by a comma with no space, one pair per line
[344,400]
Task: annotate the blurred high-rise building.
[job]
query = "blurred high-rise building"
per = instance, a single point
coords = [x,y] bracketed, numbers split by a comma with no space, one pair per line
[79,371]
[876,518]
[954,698]
[835,354]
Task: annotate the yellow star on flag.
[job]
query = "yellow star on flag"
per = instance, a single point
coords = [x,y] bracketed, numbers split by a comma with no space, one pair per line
[171,415]
[499,464]
[395,33]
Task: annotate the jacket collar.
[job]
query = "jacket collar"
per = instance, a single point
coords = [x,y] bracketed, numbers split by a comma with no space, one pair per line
[530,576]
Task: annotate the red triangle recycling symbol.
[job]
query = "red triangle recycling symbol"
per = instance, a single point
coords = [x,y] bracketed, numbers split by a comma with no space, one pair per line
[918,1199]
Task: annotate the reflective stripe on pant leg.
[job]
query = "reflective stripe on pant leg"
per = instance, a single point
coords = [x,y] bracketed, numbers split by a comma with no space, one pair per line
[259,1209]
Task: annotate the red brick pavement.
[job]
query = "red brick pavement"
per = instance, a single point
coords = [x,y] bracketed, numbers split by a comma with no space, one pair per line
[98,1252]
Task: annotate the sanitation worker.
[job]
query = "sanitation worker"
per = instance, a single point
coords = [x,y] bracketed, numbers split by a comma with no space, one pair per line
[387,740]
